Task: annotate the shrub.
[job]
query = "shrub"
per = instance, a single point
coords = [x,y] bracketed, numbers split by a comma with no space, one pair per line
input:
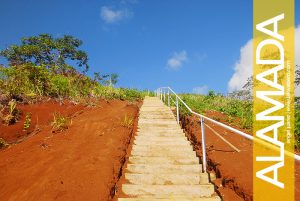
[3,143]
[59,86]
[11,115]
[39,66]
[60,122]
[127,121]
[231,107]
[27,121]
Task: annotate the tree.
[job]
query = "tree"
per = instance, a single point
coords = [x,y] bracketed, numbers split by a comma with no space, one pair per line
[114,78]
[111,80]
[53,53]
[99,78]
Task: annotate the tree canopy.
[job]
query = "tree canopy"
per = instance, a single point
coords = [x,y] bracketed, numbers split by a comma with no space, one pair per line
[54,53]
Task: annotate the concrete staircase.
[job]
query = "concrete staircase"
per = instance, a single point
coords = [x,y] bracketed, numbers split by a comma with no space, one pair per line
[162,165]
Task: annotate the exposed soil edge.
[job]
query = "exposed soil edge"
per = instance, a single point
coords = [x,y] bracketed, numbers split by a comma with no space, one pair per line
[123,160]
[212,165]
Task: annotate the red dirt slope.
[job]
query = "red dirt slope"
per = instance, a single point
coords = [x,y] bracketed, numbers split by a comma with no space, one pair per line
[234,170]
[42,115]
[81,163]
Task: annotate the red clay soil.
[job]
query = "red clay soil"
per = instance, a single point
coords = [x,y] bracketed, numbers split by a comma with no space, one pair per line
[233,170]
[42,115]
[81,163]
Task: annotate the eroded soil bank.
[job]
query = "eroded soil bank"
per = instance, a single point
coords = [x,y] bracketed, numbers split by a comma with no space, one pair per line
[81,163]
[233,170]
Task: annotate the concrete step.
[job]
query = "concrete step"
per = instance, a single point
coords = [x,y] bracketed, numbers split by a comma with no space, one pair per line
[156,116]
[162,165]
[167,119]
[161,111]
[162,148]
[173,198]
[167,191]
[148,134]
[160,133]
[169,179]
[158,143]
[160,124]
[164,160]
[159,129]
[163,168]
[165,142]
[157,122]
[161,138]
[163,153]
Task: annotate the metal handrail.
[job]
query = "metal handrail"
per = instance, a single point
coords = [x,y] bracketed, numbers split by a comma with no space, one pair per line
[162,93]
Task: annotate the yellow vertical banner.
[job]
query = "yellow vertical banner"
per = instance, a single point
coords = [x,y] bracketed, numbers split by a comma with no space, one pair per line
[273,100]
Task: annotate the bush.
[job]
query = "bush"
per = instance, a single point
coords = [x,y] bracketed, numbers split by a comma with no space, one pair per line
[59,86]
[127,121]
[60,122]
[27,121]
[39,67]
[231,107]
[2,143]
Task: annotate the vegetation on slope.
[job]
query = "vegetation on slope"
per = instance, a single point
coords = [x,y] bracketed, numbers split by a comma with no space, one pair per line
[54,67]
[42,66]
[231,107]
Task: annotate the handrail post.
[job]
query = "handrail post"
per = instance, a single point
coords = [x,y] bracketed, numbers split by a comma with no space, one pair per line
[164,95]
[169,97]
[160,93]
[203,144]
[177,110]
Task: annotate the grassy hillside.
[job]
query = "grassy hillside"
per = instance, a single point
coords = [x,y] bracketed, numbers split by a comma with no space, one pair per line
[42,68]
[27,82]
[241,110]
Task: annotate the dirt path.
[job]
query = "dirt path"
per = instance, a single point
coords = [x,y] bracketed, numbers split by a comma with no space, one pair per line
[234,170]
[82,163]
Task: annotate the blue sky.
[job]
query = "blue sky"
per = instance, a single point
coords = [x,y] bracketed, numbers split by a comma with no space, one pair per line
[190,45]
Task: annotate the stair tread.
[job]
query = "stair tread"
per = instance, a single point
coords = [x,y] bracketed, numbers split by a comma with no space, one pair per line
[164,191]
[163,160]
[162,165]
[173,198]
[167,178]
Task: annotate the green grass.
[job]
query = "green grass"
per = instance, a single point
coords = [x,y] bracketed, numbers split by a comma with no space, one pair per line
[27,121]
[60,122]
[28,82]
[231,107]
[127,121]
[3,143]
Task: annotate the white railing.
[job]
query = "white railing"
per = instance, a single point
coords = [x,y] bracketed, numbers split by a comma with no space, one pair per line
[162,92]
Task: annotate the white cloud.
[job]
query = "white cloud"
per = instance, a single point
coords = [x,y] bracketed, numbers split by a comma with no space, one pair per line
[200,90]
[243,67]
[177,60]
[110,15]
